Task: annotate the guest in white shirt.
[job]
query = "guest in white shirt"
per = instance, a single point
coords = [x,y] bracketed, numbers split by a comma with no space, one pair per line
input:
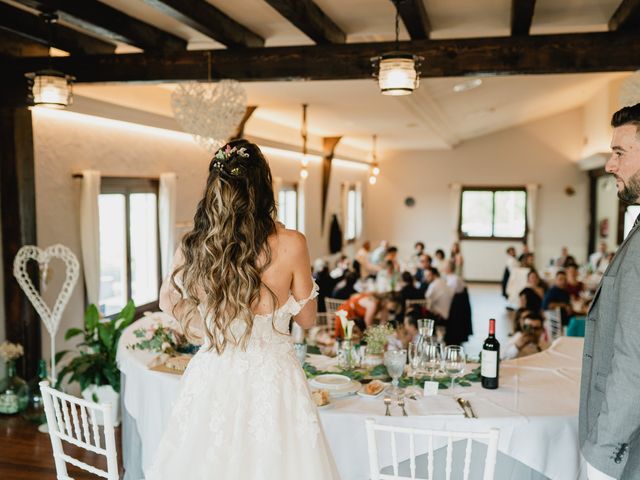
[598,256]
[440,260]
[511,263]
[387,278]
[455,283]
[362,257]
[377,256]
[529,339]
[439,295]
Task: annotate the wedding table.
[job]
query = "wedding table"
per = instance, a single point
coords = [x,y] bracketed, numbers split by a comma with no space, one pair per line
[535,409]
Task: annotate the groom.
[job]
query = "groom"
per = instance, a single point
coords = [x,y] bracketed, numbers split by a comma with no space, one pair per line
[610,390]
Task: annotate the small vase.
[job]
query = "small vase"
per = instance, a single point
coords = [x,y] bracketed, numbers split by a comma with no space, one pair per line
[14,392]
[34,413]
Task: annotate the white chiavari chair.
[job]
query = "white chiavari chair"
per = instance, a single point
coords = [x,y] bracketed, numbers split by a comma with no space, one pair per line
[554,324]
[429,437]
[332,304]
[75,421]
[325,319]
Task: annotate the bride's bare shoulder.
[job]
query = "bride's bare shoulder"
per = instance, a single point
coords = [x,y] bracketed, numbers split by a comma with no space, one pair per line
[288,242]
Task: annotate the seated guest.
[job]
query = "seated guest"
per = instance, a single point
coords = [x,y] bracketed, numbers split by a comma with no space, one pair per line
[598,256]
[440,260]
[408,291]
[530,337]
[561,261]
[362,262]
[574,286]
[525,252]
[604,264]
[392,256]
[325,282]
[363,308]
[424,262]
[438,295]
[535,283]
[387,278]
[377,256]
[530,300]
[527,260]
[411,324]
[345,288]
[418,250]
[341,267]
[453,280]
[558,296]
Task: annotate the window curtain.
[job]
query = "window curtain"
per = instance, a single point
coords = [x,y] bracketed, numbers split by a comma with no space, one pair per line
[360,210]
[344,209]
[167,220]
[456,191]
[90,233]
[302,187]
[532,198]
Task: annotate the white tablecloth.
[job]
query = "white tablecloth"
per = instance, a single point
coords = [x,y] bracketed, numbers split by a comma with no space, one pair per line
[535,409]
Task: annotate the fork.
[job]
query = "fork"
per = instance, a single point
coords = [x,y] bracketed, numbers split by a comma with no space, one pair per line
[387,402]
[400,403]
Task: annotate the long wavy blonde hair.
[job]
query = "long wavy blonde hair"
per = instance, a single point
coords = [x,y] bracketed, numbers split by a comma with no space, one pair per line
[227,251]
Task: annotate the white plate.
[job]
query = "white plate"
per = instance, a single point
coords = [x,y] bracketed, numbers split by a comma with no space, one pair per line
[331,381]
[349,389]
[363,394]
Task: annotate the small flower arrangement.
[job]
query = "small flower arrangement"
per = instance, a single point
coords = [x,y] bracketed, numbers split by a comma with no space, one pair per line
[160,338]
[10,351]
[376,338]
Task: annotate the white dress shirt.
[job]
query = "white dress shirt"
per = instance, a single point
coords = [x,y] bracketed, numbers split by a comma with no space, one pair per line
[439,296]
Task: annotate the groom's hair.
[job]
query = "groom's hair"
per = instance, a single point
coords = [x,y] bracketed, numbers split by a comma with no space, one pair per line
[627,116]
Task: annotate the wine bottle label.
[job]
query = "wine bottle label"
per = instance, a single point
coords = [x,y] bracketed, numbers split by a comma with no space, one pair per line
[489,364]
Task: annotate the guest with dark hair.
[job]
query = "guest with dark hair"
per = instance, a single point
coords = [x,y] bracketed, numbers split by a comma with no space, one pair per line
[325,282]
[438,295]
[346,287]
[439,260]
[418,249]
[557,295]
[424,263]
[574,285]
[511,263]
[530,300]
[529,338]
[408,291]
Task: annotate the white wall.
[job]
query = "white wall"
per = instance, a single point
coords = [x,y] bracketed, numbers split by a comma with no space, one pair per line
[542,152]
[66,143]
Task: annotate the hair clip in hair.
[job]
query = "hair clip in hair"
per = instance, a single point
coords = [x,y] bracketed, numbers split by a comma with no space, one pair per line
[224,157]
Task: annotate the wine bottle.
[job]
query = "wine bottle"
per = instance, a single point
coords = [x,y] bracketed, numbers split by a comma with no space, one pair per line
[490,362]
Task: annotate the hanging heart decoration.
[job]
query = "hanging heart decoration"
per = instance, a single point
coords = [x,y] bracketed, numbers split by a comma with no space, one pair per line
[50,317]
[210,112]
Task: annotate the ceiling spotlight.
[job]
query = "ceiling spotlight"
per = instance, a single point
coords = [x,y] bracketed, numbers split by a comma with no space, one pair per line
[467,85]
[304,173]
[373,179]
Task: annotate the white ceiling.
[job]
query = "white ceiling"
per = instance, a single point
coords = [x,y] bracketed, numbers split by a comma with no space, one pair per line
[432,118]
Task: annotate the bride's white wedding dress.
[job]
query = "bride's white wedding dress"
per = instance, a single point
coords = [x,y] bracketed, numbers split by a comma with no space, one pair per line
[246,415]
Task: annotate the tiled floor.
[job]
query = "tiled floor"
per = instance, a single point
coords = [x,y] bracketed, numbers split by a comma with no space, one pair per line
[486,302]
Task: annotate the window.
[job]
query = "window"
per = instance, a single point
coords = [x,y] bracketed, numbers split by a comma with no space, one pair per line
[493,213]
[129,245]
[354,213]
[288,206]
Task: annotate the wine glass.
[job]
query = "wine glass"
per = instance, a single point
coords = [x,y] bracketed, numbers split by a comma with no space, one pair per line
[415,354]
[430,358]
[454,362]
[395,360]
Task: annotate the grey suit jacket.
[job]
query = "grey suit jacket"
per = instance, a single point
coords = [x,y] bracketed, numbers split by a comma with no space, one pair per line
[610,388]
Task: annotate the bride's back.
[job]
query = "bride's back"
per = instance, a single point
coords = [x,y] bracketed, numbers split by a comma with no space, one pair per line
[237,262]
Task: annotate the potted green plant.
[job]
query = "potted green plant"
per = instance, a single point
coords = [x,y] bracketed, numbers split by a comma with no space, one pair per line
[94,365]
[376,338]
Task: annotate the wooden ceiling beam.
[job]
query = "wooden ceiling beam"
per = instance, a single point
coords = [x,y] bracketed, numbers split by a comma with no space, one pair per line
[521,16]
[415,18]
[208,20]
[626,16]
[14,45]
[33,27]
[534,54]
[106,22]
[310,19]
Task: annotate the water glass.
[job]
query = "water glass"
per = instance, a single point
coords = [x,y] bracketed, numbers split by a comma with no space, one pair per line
[301,351]
[430,358]
[395,361]
[454,362]
[415,354]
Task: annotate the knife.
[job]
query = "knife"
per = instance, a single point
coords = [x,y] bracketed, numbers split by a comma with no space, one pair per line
[466,406]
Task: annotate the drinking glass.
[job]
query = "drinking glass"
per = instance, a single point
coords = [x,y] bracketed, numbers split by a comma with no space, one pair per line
[454,362]
[395,360]
[430,359]
[415,354]
[301,351]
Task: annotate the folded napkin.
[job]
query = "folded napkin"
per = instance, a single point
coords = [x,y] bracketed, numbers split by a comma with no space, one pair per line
[434,405]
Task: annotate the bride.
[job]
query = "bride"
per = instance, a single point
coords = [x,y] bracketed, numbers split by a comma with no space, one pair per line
[244,411]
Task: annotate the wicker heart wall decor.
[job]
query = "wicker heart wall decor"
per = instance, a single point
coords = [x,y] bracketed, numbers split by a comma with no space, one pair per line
[50,317]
